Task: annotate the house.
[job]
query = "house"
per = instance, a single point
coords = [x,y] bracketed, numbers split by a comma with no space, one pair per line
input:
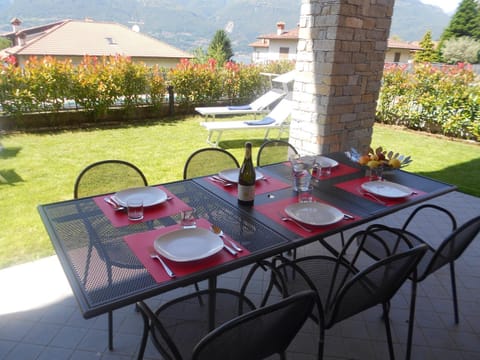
[73,39]
[282,45]
[400,51]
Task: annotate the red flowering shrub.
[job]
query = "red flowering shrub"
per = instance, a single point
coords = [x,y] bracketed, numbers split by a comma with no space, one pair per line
[443,99]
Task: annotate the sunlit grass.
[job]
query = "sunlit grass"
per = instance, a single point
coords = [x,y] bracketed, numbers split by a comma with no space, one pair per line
[41,168]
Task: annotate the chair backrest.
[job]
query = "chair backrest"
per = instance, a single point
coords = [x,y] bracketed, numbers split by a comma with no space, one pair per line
[281,111]
[266,100]
[454,245]
[260,333]
[374,285]
[108,176]
[208,161]
[275,151]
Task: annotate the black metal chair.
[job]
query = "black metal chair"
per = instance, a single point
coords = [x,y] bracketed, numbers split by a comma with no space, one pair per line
[106,176]
[446,252]
[251,334]
[274,151]
[208,161]
[344,289]
[103,177]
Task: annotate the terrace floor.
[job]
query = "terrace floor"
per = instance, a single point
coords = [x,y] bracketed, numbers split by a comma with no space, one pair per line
[41,320]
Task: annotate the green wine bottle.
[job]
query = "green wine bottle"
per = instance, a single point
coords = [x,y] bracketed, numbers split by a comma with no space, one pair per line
[246,179]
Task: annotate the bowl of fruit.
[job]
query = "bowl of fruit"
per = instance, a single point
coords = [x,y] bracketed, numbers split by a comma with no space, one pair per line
[384,158]
[379,160]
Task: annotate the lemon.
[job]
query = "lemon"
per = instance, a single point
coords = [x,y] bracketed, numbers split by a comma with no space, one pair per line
[394,163]
[373,164]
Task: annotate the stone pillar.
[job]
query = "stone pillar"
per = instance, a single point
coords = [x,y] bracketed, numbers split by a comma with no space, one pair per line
[340,58]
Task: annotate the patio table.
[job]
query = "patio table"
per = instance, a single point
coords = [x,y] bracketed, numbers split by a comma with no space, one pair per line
[106,271]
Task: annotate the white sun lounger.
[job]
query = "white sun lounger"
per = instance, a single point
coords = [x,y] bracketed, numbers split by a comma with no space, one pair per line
[259,105]
[276,119]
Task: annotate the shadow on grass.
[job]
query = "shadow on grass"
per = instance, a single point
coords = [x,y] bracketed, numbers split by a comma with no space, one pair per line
[7,153]
[9,177]
[464,175]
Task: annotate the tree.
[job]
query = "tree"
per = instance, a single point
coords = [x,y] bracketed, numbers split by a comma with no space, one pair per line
[4,43]
[428,52]
[201,56]
[463,49]
[220,47]
[465,22]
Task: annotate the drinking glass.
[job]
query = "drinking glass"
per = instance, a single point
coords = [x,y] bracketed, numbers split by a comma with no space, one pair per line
[135,209]
[188,219]
[301,171]
[305,195]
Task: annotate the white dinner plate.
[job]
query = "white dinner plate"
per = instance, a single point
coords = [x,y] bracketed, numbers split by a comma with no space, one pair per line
[314,213]
[188,244]
[325,160]
[231,175]
[387,189]
[150,195]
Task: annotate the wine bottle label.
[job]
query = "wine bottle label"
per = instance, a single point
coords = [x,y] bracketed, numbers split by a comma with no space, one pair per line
[246,192]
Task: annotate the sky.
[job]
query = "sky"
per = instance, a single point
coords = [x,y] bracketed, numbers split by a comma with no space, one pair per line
[449,6]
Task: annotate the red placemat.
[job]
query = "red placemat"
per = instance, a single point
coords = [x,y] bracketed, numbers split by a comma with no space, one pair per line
[354,187]
[275,211]
[261,186]
[339,170]
[141,243]
[167,208]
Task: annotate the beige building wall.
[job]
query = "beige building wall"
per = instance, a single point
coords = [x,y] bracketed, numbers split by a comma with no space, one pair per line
[341,53]
[398,55]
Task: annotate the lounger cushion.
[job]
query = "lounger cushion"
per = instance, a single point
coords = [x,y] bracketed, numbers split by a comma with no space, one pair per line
[240,107]
[265,121]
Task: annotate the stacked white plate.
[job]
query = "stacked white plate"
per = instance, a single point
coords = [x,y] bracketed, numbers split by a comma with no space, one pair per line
[314,213]
[231,175]
[387,189]
[150,195]
[188,244]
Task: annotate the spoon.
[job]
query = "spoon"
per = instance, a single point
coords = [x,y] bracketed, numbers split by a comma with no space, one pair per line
[216,230]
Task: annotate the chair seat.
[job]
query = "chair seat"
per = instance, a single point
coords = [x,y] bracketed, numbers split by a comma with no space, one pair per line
[186,319]
[321,270]
[180,329]
[346,286]
[377,250]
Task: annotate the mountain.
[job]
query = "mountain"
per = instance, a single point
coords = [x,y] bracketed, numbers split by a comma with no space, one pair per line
[409,20]
[189,24]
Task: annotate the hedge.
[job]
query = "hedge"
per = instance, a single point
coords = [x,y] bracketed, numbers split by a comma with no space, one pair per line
[98,84]
[441,99]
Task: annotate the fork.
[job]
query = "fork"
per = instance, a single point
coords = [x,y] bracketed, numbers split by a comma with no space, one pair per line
[286,218]
[368,194]
[221,181]
[154,255]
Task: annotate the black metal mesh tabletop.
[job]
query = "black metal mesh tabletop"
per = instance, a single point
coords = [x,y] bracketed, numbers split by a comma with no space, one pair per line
[103,271]
[105,274]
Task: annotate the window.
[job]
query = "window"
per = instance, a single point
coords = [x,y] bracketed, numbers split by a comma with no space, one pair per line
[284,52]
[396,57]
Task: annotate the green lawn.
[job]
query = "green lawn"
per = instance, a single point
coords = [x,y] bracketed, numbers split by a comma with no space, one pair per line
[41,168]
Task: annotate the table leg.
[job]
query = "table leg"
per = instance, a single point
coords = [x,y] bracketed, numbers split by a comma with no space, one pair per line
[212,299]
